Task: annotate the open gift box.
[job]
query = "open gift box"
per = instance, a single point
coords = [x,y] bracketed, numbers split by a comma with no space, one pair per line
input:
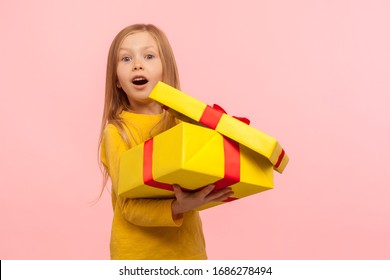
[213,117]
[192,156]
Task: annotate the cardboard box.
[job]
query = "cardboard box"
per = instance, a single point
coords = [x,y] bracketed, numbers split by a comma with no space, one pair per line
[215,118]
[192,157]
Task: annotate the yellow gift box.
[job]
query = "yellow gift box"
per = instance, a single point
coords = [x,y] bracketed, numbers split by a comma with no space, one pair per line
[192,157]
[217,119]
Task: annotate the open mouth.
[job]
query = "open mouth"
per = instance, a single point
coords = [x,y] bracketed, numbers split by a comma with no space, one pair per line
[139,81]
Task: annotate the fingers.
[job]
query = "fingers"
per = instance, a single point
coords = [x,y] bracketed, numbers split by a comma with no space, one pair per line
[205,195]
[207,190]
[220,195]
[223,196]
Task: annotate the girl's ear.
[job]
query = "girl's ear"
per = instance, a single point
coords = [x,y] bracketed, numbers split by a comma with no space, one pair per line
[118,85]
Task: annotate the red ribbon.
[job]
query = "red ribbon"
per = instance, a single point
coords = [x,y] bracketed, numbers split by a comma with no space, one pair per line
[231,170]
[279,159]
[232,164]
[212,115]
[147,170]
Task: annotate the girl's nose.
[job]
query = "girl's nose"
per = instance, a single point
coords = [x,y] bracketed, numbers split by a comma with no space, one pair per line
[137,66]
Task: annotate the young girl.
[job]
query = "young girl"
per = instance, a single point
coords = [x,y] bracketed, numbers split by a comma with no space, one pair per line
[140,56]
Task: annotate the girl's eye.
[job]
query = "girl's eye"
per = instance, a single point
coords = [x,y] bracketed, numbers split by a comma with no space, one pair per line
[149,56]
[125,59]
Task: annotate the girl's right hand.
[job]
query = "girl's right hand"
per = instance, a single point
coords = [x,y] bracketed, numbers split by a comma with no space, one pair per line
[186,201]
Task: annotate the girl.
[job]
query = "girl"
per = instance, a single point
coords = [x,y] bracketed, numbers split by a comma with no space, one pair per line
[140,56]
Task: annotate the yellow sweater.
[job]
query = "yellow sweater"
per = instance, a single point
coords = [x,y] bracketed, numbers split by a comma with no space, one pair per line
[144,228]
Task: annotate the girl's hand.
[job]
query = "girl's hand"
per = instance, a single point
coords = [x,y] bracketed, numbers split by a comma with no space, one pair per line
[186,201]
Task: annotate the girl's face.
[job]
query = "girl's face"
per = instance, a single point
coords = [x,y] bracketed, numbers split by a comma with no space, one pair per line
[139,68]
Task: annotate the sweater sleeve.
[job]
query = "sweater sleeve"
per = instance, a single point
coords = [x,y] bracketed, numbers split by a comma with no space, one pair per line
[141,212]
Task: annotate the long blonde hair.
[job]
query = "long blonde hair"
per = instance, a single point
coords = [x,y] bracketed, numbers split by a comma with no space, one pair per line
[116,100]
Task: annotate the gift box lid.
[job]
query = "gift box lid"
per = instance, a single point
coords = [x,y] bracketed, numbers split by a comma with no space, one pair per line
[181,104]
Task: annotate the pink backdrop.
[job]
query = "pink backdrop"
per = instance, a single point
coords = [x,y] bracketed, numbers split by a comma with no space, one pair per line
[313,74]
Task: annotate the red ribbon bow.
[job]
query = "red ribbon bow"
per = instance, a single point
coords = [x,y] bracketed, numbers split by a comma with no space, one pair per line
[212,115]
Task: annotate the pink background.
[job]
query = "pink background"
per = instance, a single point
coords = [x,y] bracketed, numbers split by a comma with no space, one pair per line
[313,74]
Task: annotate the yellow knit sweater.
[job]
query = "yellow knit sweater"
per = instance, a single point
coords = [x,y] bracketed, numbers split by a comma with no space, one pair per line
[144,228]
